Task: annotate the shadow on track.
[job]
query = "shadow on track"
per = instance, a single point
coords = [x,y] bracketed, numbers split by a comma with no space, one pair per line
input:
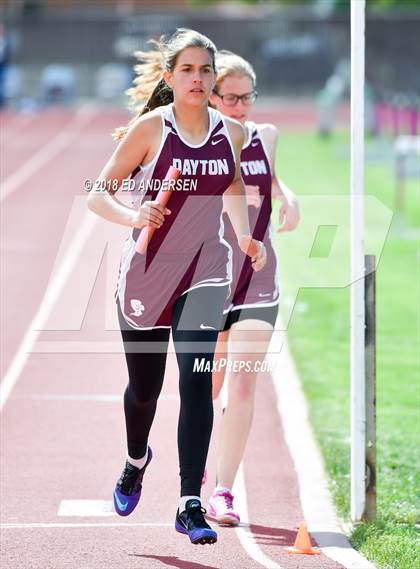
[175,562]
[265,535]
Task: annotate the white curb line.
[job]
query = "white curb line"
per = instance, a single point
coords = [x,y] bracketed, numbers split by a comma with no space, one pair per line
[315,498]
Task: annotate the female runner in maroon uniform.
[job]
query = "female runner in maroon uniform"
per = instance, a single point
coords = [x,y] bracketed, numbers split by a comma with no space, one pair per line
[252,306]
[183,280]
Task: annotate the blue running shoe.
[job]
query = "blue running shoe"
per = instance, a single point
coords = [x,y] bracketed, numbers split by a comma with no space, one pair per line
[128,488]
[191,522]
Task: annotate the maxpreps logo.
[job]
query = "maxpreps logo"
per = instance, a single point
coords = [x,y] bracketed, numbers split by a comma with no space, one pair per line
[223,364]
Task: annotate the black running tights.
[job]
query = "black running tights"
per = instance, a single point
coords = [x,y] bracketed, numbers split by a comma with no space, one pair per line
[199,314]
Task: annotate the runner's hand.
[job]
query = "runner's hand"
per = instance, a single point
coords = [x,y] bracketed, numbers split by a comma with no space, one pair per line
[289,214]
[254,249]
[150,213]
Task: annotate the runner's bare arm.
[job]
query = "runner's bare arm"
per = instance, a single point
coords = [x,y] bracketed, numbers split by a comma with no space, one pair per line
[235,205]
[137,147]
[289,209]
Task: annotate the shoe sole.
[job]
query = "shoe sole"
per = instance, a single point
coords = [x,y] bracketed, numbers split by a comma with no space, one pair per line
[129,508]
[223,520]
[208,536]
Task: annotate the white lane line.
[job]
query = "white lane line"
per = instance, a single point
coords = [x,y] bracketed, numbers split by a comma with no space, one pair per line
[96,398]
[108,347]
[69,261]
[9,132]
[56,145]
[316,501]
[243,531]
[76,347]
[83,525]
[86,508]
[31,141]
[99,398]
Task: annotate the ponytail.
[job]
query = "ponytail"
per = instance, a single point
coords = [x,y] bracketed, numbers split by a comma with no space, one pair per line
[150,89]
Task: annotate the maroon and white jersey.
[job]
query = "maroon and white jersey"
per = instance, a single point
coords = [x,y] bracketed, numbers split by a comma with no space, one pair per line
[189,250]
[251,289]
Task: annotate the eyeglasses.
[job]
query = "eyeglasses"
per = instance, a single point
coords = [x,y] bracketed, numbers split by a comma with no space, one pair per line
[230,100]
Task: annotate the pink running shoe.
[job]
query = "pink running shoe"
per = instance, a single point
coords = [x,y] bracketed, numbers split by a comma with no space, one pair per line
[220,509]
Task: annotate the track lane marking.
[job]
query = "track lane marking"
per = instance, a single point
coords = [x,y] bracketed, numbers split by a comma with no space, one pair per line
[86,508]
[56,145]
[106,398]
[20,121]
[82,525]
[243,531]
[315,498]
[47,304]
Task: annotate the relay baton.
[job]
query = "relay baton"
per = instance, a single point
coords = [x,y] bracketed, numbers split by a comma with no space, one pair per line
[252,247]
[162,198]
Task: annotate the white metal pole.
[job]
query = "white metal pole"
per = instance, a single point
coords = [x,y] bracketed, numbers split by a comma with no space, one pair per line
[357,342]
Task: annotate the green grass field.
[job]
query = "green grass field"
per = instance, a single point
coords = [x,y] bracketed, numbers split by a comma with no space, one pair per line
[318,171]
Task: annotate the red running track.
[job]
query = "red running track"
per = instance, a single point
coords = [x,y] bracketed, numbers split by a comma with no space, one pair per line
[63,428]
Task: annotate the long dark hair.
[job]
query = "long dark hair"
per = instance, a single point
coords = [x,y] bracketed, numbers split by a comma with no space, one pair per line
[150,90]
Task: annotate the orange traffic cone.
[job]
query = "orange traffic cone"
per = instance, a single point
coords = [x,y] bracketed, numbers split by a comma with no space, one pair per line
[303,542]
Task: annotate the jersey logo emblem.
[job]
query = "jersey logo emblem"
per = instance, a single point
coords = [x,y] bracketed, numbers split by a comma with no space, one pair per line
[214,142]
[137,306]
